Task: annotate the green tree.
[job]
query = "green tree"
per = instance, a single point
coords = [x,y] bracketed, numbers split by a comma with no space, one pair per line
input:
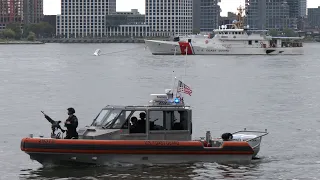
[41,29]
[289,32]
[8,33]
[48,29]
[273,32]
[30,28]
[16,28]
[31,36]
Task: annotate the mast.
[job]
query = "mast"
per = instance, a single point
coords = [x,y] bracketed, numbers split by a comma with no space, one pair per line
[240,17]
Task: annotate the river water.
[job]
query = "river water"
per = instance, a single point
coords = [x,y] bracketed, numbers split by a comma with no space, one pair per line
[278,93]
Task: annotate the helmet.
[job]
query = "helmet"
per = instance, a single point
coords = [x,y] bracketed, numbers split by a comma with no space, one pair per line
[142,114]
[71,110]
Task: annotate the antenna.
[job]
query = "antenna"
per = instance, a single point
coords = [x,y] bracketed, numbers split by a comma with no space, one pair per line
[185,64]
[239,22]
[173,77]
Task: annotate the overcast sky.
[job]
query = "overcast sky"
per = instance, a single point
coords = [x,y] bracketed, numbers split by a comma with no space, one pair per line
[52,7]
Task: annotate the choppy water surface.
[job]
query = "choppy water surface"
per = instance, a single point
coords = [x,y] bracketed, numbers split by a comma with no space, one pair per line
[278,93]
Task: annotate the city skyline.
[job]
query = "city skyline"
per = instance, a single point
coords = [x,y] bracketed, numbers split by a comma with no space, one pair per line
[53,7]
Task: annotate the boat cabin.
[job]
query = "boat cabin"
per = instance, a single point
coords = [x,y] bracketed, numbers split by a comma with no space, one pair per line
[285,42]
[163,119]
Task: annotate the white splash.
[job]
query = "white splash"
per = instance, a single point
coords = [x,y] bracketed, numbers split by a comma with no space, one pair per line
[97,52]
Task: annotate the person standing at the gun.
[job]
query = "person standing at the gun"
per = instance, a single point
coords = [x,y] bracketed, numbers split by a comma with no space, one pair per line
[71,124]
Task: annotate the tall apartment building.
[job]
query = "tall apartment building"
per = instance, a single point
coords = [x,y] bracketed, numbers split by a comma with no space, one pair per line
[20,11]
[83,18]
[206,15]
[32,11]
[298,8]
[269,14]
[11,11]
[228,19]
[130,17]
[51,19]
[302,8]
[314,17]
[127,24]
[172,17]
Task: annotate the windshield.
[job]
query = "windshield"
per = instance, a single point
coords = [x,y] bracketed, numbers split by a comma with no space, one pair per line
[100,117]
[105,117]
[113,114]
[121,121]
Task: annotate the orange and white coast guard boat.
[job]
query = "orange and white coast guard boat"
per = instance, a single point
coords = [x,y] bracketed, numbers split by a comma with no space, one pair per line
[163,135]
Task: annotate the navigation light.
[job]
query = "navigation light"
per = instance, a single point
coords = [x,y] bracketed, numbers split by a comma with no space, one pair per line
[176,100]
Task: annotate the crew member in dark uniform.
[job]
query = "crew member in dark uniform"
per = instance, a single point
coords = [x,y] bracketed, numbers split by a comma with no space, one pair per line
[71,124]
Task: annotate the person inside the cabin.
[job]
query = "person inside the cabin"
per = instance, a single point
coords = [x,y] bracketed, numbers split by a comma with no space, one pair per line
[134,122]
[71,124]
[142,123]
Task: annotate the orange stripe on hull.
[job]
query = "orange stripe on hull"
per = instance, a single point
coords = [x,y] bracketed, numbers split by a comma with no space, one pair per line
[126,142]
[135,152]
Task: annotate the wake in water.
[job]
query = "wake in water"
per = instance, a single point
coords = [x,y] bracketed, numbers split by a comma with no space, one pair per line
[149,171]
[97,52]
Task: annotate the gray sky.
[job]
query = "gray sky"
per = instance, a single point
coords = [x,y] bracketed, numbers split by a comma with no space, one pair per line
[52,7]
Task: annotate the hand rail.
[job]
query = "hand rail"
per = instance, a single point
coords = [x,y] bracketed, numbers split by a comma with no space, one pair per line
[264,133]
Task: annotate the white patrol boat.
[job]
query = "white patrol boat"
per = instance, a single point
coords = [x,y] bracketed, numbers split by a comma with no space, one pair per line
[229,39]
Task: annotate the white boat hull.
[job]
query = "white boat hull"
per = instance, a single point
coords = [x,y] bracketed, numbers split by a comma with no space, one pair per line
[105,159]
[253,140]
[171,48]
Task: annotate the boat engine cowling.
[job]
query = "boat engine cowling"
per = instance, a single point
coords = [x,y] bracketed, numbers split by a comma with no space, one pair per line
[226,136]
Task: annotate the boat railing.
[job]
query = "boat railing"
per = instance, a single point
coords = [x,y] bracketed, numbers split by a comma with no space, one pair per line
[262,133]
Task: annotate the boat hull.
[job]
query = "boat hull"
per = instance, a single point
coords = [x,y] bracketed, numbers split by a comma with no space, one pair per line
[105,159]
[178,48]
[101,152]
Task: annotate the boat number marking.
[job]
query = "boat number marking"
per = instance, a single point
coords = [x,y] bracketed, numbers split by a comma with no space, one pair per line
[162,143]
[46,141]
[227,45]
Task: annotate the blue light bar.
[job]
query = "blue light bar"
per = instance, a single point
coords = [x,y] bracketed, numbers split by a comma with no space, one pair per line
[176,100]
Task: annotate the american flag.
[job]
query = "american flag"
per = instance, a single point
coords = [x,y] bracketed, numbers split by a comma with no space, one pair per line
[184,88]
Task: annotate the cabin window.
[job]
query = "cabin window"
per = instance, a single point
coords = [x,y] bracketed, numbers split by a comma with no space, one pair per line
[178,120]
[156,120]
[101,116]
[137,122]
[106,117]
[256,41]
[168,120]
[122,121]
[250,42]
